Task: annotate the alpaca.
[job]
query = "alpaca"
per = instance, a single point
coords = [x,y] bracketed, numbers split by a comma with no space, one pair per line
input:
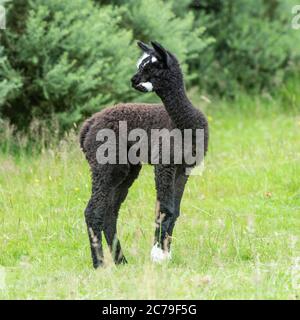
[158,71]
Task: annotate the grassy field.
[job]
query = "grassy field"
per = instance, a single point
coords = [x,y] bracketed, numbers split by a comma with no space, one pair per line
[237,237]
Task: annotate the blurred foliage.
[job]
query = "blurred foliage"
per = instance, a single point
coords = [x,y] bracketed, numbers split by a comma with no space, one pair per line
[72,58]
[255,47]
[62,61]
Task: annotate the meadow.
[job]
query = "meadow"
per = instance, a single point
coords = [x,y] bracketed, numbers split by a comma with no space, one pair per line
[237,236]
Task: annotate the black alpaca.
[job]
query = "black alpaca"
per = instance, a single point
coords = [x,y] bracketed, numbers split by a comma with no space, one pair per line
[158,71]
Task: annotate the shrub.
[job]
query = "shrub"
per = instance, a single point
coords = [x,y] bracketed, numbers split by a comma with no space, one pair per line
[72,58]
[156,20]
[255,47]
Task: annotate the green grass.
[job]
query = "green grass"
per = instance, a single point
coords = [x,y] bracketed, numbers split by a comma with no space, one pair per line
[237,237]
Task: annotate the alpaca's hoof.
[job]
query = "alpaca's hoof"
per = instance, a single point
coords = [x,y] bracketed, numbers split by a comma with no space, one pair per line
[158,255]
[122,260]
[98,265]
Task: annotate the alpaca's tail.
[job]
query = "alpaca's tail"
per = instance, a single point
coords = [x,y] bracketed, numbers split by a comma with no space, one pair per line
[83,132]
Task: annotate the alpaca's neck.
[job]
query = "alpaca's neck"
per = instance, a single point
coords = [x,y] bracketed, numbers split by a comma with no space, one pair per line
[179,107]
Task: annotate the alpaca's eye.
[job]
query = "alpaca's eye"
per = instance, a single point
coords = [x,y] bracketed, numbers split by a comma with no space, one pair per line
[157,65]
[147,68]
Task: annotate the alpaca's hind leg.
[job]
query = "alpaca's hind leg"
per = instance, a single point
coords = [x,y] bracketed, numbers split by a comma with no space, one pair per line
[94,213]
[110,224]
[104,180]
[165,209]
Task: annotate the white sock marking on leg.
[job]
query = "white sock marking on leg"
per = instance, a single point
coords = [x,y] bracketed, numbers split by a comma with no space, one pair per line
[158,255]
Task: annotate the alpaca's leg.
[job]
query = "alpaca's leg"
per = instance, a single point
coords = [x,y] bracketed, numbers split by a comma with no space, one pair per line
[105,179]
[180,182]
[110,223]
[165,208]
[94,213]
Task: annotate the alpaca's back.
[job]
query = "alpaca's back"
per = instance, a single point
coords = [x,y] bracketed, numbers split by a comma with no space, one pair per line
[142,116]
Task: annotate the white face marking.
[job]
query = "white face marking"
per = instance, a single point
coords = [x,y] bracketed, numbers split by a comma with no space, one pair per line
[143,57]
[158,255]
[148,85]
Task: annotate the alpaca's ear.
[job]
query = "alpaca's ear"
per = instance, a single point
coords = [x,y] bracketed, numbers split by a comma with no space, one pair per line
[161,53]
[144,47]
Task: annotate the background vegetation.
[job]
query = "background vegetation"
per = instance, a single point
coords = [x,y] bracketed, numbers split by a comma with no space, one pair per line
[238,235]
[68,59]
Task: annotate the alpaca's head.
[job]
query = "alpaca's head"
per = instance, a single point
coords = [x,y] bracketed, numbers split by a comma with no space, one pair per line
[158,70]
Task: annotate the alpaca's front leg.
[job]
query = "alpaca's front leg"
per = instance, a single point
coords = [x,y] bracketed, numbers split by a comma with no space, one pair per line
[165,211]
[161,247]
[180,182]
